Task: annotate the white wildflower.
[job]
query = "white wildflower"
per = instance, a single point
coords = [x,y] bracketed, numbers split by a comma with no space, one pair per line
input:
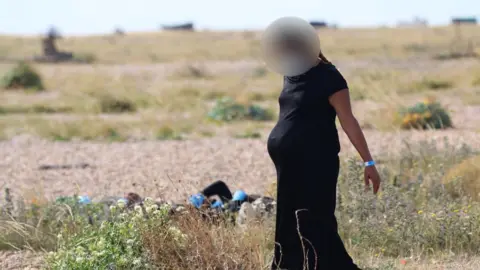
[137,261]
[130,242]
[165,207]
[137,217]
[80,250]
[177,233]
[99,253]
[101,243]
[148,201]
[79,259]
[123,260]
[121,204]
[103,225]
[138,208]
[151,208]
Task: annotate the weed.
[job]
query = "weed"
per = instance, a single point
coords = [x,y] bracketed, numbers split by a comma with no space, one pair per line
[22,76]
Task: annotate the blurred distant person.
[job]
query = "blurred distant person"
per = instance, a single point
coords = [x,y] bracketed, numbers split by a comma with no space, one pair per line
[304,147]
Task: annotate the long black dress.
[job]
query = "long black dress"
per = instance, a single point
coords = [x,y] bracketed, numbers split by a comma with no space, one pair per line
[304,147]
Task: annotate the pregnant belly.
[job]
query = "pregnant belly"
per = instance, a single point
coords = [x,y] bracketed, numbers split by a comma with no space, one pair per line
[287,139]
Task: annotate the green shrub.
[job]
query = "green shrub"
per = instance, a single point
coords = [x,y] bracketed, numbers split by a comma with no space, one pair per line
[22,76]
[114,244]
[168,133]
[425,115]
[434,84]
[227,109]
[248,135]
[112,104]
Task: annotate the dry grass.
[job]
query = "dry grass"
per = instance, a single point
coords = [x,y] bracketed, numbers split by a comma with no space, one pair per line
[170,46]
[179,89]
[211,246]
[157,96]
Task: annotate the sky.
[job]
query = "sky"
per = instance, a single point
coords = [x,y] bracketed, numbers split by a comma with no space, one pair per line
[81,17]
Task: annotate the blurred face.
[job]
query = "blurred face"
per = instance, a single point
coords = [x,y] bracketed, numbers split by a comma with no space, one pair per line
[291,58]
[290,46]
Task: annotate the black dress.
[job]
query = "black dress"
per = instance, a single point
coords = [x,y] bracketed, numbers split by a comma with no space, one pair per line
[304,147]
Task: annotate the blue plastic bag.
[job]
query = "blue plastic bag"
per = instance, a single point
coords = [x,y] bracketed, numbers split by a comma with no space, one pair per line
[217,204]
[84,200]
[197,200]
[239,195]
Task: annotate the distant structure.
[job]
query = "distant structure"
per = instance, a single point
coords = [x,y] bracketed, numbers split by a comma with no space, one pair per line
[119,31]
[318,24]
[464,20]
[50,52]
[415,22]
[179,27]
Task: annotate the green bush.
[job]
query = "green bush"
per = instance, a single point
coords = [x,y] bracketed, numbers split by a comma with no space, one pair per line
[434,84]
[248,135]
[425,115]
[114,244]
[112,104]
[168,133]
[227,109]
[22,76]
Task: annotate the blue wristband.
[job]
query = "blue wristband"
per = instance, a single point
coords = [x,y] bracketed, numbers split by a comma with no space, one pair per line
[369,163]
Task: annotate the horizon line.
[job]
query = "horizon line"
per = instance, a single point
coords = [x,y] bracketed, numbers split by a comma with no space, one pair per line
[222,30]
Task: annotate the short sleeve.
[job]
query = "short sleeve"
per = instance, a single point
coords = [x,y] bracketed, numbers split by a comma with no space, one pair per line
[334,81]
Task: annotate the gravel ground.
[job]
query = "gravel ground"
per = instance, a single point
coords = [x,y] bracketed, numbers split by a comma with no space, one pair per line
[164,169]
[25,260]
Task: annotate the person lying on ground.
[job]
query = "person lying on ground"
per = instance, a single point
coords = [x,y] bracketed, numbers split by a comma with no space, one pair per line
[225,201]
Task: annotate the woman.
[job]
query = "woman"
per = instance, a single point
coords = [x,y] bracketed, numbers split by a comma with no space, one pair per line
[304,148]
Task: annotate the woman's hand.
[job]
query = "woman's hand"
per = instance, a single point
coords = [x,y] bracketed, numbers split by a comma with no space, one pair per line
[372,176]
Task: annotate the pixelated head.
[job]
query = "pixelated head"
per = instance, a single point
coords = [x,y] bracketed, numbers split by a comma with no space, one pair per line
[290,46]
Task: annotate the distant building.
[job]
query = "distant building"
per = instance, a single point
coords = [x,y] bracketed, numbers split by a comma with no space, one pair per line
[464,20]
[318,24]
[415,22]
[179,27]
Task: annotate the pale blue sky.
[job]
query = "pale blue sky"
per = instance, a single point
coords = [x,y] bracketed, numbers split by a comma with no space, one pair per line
[101,16]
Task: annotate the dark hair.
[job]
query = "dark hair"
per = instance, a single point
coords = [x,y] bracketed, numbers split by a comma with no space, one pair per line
[323,58]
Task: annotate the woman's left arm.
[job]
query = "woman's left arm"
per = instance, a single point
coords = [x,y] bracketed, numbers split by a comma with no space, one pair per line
[340,100]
